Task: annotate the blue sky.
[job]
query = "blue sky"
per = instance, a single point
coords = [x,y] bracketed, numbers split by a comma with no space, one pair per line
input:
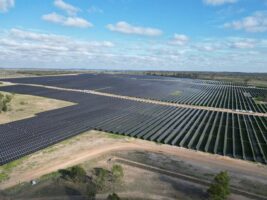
[202,35]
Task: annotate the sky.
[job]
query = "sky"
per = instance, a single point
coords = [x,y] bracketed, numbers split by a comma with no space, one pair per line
[181,35]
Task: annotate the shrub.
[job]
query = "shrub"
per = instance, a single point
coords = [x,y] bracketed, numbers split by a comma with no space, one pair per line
[8,98]
[76,173]
[4,101]
[117,172]
[220,189]
[23,103]
[113,196]
[102,175]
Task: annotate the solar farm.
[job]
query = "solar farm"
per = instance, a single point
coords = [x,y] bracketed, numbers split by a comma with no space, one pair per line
[209,116]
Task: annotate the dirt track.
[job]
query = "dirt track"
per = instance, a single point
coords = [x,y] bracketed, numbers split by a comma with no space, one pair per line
[94,92]
[93,144]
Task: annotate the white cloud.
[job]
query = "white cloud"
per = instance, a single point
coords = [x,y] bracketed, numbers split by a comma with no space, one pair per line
[22,48]
[124,27]
[218,2]
[5,5]
[94,9]
[55,39]
[67,21]
[228,44]
[179,39]
[42,47]
[34,36]
[70,9]
[254,23]
[242,45]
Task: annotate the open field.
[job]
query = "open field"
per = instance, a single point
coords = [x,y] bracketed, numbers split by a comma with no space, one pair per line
[26,106]
[108,149]
[17,73]
[242,135]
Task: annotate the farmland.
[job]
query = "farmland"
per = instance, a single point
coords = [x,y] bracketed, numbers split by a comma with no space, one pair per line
[241,134]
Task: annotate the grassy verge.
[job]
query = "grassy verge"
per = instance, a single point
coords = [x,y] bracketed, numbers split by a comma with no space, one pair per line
[6,169]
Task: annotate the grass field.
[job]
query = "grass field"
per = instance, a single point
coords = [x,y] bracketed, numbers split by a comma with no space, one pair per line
[25,106]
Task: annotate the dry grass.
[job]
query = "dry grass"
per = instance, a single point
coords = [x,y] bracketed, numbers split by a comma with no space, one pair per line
[26,106]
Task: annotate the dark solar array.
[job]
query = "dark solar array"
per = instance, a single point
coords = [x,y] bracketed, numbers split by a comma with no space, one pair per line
[238,136]
[185,91]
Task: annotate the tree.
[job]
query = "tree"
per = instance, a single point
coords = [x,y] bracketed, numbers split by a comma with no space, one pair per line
[113,196]
[220,189]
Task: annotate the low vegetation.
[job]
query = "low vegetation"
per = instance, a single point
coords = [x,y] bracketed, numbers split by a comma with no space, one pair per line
[99,180]
[113,196]
[5,100]
[3,176]
[176,93]
[76,174]
[220,187]
[117,173]
[261,99]
[6,169]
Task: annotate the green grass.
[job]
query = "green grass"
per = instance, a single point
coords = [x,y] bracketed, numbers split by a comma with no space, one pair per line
[10,166]
[3,177]
[117,136]
[49,176]
[176,93]
[7,169]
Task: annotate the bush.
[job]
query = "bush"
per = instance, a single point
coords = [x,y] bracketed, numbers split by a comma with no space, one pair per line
[102,175]
[220,189]
[76,173]
[117,172]
[113,196]
[4,101]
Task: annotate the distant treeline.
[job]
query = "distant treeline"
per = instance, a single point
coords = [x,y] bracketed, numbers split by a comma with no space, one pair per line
[45,72]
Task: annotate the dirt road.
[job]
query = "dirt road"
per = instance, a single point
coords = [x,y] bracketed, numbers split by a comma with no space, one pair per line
[93,144]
